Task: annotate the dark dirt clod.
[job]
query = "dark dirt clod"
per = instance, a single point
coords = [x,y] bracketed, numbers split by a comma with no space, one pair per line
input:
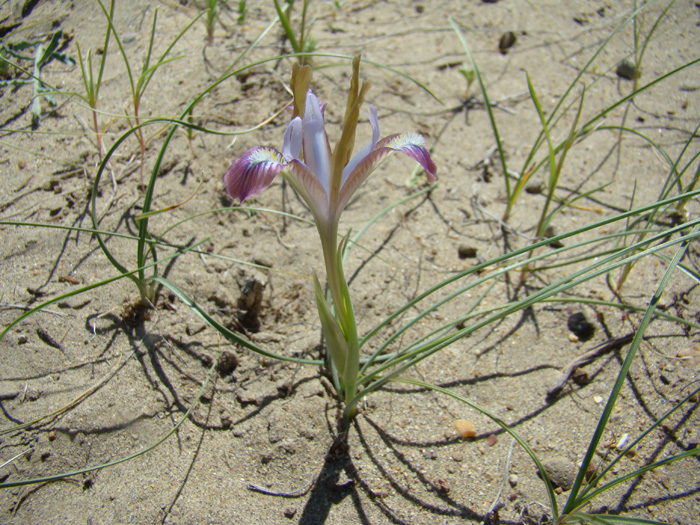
[561,472]
[466,252]
[627,70]
[228,361]
[580,326]
[507,41]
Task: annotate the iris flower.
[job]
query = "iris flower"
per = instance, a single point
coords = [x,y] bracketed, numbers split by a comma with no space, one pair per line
[326,180]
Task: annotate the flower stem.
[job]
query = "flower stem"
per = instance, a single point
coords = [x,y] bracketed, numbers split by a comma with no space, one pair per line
[343,310]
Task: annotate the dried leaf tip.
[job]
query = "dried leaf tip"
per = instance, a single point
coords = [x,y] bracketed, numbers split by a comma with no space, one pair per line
[300,82]
[344,147]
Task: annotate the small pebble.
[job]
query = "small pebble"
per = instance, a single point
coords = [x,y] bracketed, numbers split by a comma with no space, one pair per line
[580,326]
[597,399]
[507,41]
[513,480]
[228,361]
[491,440]
[466,252]
[580,376]
[290,512]
[573,338]
[626,70]
[442,486]
[550,232]
[22,164]
[127,38]
[465,428]
[534,188]
[561,472]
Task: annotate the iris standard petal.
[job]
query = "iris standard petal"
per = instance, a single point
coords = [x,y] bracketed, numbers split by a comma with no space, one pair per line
[293,136]
[357,158]
[253,172]
[317,153]
[413,145]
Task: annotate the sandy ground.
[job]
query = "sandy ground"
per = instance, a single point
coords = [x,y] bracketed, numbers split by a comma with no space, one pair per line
[125,377]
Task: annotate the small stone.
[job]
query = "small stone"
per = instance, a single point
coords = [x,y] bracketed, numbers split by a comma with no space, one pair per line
[627,70]
[420,8]
[465,428]
[580,376]
[457,457]
[561,472]
[597,399]
[130,37]
[573,338]
[550,232]
[534,188]
[466,252]
[580,326]
[513,480]
[442,486]
[290,512]
[506,41]
[32,394]
[22,164]
[491,440]
[226,420]
[228,361]
[52,435]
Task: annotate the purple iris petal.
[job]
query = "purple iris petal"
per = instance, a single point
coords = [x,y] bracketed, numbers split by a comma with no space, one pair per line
[317,155]
[413,145]
[293,137]
[253,172]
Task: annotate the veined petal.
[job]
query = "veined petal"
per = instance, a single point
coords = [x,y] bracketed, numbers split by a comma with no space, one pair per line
[317,152]
[413,145]
[293,136]
[358,175]
[252,172]
[305,183]
[355,160]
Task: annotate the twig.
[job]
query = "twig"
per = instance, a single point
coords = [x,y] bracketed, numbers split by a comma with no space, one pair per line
[292,494]
[15,457]
[584,359]
[27,308]
[495,506]
[94,388]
